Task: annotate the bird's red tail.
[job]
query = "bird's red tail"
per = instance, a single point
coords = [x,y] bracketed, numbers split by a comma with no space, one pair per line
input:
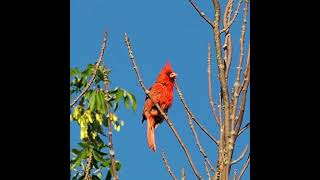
[150,134]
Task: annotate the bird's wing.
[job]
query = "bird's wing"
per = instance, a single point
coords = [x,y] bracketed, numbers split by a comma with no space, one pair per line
[156,92]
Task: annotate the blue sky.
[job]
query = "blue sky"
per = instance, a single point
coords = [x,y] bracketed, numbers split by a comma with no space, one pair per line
[159,31]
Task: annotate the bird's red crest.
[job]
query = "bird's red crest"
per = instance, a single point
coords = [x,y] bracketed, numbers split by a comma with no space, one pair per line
[167,68]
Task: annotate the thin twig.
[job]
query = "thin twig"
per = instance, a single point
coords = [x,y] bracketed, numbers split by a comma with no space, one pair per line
[201,13]
[207,170]
[183,174]
[244,167]
[228,53]
[246,81]
[241,156]
[237,85]
[235,175]
[227,13]
[245,72]
[227,47]
[88,167]
[111,148]
[192,115]
[204,154]
[167,165]
[169,122]
[244,128]
[233,18]
[103,47]
[210,87]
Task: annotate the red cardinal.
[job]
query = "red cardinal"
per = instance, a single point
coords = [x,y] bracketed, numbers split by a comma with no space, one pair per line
[162,93]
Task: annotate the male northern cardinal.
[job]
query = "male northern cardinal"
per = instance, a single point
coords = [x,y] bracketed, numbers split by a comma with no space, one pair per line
[162,93]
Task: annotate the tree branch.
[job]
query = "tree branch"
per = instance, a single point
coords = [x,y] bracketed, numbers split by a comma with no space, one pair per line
[169,122]
[233,18]
[207,170]
[210,87]
[245,72]
[246,81]
[228,53]
[183,174]
[95,70]
[192,115]
[111,149]
[241,156]
[244,167]
[167,165]
[227,13]
[235,175]
[198,142]
[237,86]
[201,13]
[244,128]
[88,167]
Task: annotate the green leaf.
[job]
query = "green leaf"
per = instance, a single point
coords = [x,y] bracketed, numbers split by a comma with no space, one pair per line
[75,151]
[108,177]
[92,101]
[115,106]
[126,101]
[76,162]
[105,163]
[100,175]
[103,106]
[74,71]
[87,94]
[95,163]
[75,176]
[132,101]
[119,94]
[98,156]
[118,166]
[74,82]
[81,177]
[94,177]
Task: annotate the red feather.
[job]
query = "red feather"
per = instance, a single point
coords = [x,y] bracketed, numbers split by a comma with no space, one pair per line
[162,93]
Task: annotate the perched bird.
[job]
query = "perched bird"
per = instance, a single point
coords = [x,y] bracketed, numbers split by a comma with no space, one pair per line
[162,93]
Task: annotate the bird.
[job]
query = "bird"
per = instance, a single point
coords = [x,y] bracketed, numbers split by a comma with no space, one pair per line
[162,93]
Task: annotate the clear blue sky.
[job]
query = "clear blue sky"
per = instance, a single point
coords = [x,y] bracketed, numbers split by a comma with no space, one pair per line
[158,30]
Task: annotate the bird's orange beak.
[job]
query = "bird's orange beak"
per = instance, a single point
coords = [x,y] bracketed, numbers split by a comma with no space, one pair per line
[173,75]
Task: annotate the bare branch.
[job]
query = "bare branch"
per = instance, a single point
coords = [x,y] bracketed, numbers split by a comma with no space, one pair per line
[183,174]
[167,165]
[243,98]
[88,167]
[247,64]
[227,13]
[233,18]
[104,42]
[237,85]
[228,53]
[235,175]
[198,143]
[207,170]
[210,86]
[192,115]
[111,149]
[241,156]
[221,66]
[244,167]
[201,13]
[244,128]
[169,122]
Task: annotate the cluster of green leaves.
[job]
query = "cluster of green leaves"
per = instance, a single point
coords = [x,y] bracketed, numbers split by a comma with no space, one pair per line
[91,113]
